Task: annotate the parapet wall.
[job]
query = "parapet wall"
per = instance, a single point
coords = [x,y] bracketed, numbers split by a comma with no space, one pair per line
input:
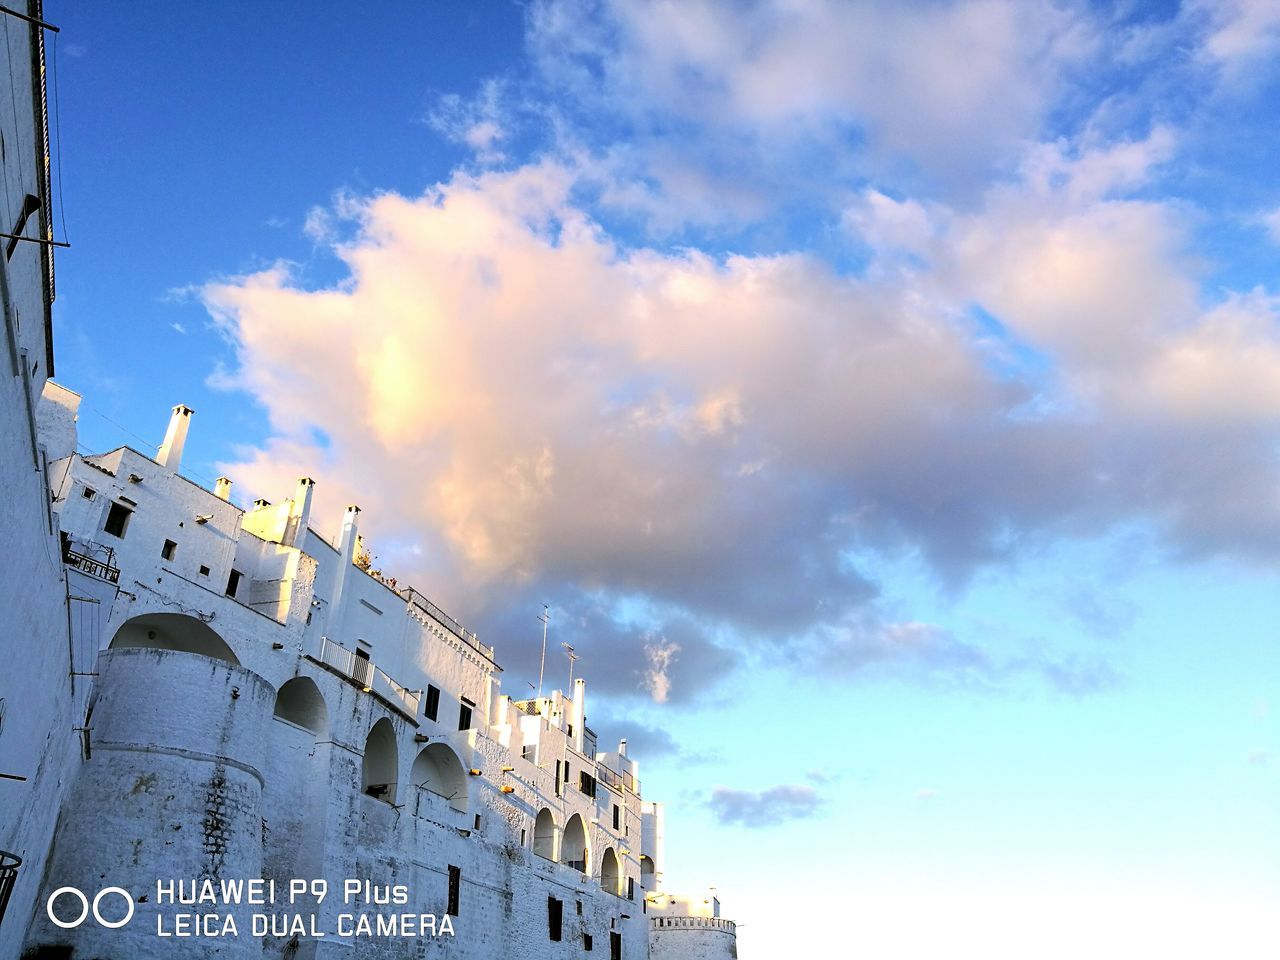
[692,938]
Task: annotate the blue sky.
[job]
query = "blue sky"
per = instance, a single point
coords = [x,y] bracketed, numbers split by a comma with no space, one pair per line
[883,396]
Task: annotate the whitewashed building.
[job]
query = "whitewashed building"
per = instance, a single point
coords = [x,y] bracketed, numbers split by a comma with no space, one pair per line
[264,707]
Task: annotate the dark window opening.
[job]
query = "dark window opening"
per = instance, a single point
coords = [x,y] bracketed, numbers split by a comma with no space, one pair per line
[455,889]
[464,715]
[168,550]
[558,778]
[89,493]
[631,888]
[587,783]
[616,815]
[615,946]
[477,821]
[555,917]
[586,941]
[233,584]
[204,571]
[579,908]
[117,520]
[432,708]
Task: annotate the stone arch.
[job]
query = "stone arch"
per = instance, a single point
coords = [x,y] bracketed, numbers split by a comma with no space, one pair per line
[609,872]
[438,770]
[378,769]
[173,631]
[299,701]
[544,834]
[574,849]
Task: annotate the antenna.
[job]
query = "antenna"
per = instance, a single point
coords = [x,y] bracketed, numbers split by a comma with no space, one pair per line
[573,657]
[545,618]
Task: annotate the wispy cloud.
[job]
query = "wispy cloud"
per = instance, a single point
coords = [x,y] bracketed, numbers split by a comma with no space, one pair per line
[757,809]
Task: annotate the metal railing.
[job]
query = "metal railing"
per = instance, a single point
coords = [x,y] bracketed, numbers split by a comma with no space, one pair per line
[468,637]
[102,569]
[367,675]
[618,781]
[9,864]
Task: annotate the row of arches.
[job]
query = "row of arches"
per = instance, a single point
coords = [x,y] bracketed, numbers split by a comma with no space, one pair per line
[574,849]
[436,769]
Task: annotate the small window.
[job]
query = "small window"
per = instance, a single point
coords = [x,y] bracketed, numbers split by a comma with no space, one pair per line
[587,783]
[233,584]
[530,752]
[455,889]
[524,834]
[631,888]
[579,908]
[168,551]
[616,816]
[586,942]
[88,493]
[477,821]
[117,520]
[464,715]
[615,946]
[555,918]
[432,708]
[204,571]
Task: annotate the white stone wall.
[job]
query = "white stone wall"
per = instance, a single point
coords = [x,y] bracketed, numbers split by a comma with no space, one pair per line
[38,739]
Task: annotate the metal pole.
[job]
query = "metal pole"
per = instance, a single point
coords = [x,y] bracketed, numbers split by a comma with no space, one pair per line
[545,618]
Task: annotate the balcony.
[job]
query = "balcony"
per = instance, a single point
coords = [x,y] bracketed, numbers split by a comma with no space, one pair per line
[93,566]
[368,677]
[617,781]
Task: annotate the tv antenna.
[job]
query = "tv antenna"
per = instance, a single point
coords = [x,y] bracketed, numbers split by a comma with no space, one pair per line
[573,657]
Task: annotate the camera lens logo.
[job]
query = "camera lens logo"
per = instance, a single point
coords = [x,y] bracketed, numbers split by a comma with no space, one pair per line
[85,908]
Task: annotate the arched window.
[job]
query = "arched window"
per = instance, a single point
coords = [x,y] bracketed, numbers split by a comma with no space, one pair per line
[573,848]
[544,835]
[299,701]
[609,871]
[646,872]
[438,770]
[378,771]
[173,631]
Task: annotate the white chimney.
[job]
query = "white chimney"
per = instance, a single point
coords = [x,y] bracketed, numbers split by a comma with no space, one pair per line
[222,488]
[299,513]
[175,438]
[347,550]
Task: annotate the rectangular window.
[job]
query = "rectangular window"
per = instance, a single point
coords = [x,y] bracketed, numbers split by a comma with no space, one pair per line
[168,550]
[587,783]
[555,918]
[455,889]
[204,571]
[615,946]
[89,493]
[117,520]
[631,888]
[477,821]
[616,816]
[579,908]
[464,715]
[233,584]
[530,752]
[558,769]
[586,942]
[432,708]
